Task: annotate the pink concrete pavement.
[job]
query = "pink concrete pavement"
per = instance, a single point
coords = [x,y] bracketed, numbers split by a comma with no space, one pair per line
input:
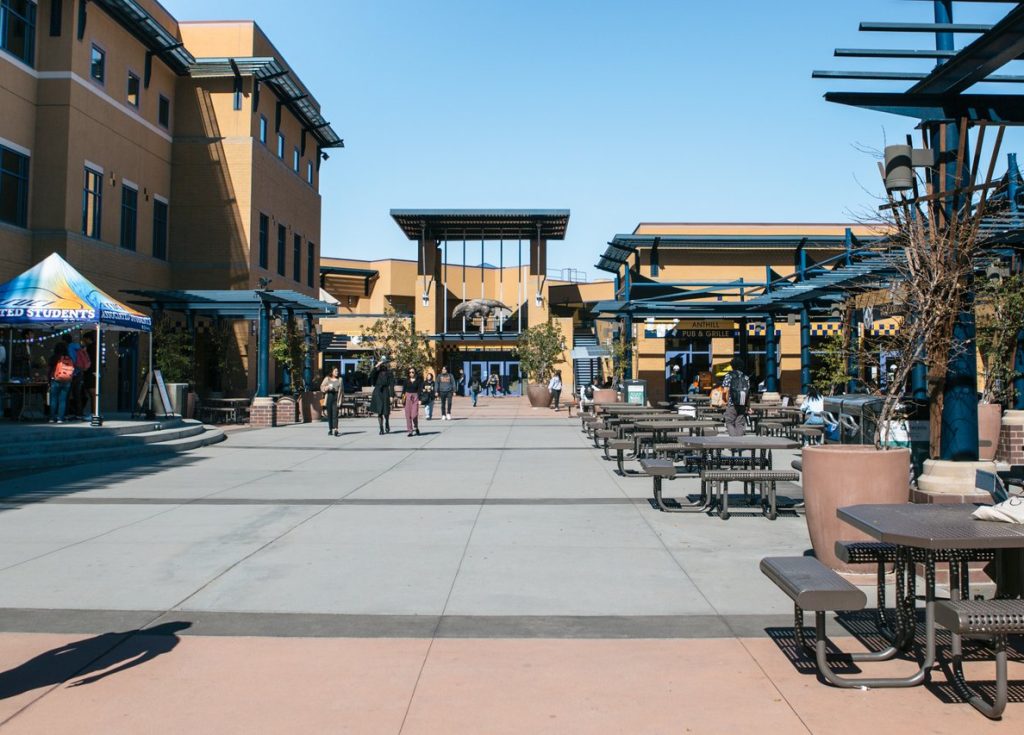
[450,686]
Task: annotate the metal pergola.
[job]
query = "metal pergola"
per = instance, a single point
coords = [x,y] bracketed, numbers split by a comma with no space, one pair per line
[255,305]
[944,101]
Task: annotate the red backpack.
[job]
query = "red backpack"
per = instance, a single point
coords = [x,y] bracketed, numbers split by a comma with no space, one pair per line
[82,360]
[64,370]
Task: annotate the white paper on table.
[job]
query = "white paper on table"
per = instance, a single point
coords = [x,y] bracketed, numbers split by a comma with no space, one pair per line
[1008,511]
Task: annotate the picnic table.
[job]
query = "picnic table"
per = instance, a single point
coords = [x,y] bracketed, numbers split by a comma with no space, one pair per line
[234,409]
[33,398]
[919,532]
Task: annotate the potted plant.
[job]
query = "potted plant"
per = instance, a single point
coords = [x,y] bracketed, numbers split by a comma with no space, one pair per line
[539,348]
[172,356]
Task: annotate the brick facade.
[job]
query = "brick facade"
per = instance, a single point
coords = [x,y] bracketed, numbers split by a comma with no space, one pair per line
[263,413]
[287,411]
[1011,444]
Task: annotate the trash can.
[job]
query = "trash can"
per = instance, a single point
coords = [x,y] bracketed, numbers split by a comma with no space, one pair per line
[636,392]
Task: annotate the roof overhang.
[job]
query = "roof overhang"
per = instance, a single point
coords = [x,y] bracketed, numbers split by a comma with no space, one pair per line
[289,90]
[140,23]
[232,304]
[485,224]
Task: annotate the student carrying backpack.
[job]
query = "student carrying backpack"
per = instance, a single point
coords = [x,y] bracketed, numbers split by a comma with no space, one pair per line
[737,383]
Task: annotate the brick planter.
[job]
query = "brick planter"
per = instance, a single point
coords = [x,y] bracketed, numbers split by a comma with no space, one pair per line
[287,411]
[1011,438]
[263,413]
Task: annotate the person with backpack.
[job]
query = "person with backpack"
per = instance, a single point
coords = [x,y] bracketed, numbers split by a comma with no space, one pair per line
[62,370]
[587,397]
[77,400]
[474,387]
[493,384]
[736,384]
[427,395]
[446,385]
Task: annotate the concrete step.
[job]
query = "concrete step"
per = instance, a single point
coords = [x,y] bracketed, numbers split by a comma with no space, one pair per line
[139,447]
[60,440]
[19,433]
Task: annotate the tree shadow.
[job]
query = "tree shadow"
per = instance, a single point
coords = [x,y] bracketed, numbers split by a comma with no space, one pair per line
[92,658]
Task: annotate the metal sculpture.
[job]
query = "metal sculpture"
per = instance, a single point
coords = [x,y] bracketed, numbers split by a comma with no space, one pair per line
[482,309]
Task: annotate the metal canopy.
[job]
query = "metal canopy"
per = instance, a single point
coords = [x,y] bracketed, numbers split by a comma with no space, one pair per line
[289,90]
[486,224]
[337,270]
[234,304]
[938,95]
[141,24]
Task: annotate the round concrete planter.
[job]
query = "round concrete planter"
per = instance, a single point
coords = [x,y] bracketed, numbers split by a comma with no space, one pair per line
[990,419]
[835,476]
[311,409]
[539,395]
[606,395]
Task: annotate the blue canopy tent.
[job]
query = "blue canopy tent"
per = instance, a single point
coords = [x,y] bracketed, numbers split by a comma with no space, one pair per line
[53,295]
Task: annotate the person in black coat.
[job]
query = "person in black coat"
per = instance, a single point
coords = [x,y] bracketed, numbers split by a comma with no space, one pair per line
[383,382]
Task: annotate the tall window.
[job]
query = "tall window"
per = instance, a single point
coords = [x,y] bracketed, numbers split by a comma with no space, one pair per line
[238,99]
[13,187]
[309,172]
[281,237]
[133,90]
[295,159]
[18,29]
[159,229]
[98,65]
[310,262]
[264,238]
[163,113]
[280,146]
[92,200]
[297,259]
[129,216]
[263,129]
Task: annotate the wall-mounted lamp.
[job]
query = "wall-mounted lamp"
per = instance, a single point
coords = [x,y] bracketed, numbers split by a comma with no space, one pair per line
[113,179]
[425,298]
[900,162]
[538,300]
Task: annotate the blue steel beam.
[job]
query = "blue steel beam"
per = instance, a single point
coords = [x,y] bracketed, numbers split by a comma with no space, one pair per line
[976,62]
[893,53]
[1005,109]
[906,76]
[886,27]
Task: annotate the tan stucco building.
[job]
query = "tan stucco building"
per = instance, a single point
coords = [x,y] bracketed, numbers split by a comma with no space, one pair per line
[156,154]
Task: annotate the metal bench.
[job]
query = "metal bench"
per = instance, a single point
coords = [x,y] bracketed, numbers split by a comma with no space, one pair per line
[619,446]
[763,479]
[991,619]
[813,586]
[665,469]
[808,434]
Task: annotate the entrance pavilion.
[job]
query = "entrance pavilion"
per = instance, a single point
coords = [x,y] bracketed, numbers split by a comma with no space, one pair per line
[497,256]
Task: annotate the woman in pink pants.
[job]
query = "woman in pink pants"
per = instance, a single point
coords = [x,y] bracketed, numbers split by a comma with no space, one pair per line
[411,388]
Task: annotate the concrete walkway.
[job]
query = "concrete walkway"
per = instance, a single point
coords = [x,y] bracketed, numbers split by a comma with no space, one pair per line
[492,575]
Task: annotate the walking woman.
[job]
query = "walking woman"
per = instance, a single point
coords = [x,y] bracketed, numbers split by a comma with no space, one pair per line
[332,388]
[427,395]
[445,391]
[412,386]
[555,386]
[383,382]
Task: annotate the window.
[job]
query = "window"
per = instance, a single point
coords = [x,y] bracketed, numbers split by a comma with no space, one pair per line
[238,98]
[309,172]
[280,146]
[297,259]
[263,130]
[92,199]
[133,90]
[13,187]
[163,115]
[98,65]
[264,237]
[295,159]
[310,262]
[280,249]
[160,229]
[129,216]
[18,29]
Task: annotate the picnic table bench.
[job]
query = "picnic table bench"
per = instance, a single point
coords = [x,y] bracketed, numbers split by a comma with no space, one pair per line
[765,481]
[665,469]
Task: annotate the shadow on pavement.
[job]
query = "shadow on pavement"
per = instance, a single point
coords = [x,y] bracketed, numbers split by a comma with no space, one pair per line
[92,658]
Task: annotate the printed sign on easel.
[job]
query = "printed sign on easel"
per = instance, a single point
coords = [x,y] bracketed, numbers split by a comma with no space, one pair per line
[161,390]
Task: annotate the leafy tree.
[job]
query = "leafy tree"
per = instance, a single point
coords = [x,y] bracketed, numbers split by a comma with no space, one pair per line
[288,348]
[622,348]
[833,371]
[1000,316]
[394,336]
[539,348]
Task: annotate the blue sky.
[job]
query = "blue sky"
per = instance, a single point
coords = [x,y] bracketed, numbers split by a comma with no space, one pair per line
[619,111]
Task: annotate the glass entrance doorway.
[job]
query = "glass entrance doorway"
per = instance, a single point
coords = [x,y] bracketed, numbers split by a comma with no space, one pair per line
[510,382]
[683,362]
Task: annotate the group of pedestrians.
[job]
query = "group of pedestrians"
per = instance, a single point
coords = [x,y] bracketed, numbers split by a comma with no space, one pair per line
[70,367]
[417,389]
